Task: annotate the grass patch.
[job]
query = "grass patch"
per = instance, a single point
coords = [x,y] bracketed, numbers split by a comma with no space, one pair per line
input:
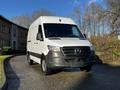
[2,58]
[117,53]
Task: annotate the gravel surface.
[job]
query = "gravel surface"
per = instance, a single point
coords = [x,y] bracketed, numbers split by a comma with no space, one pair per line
[21,76]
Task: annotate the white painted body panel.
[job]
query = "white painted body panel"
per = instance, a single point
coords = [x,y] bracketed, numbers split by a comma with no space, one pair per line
[38,60]
[68,42]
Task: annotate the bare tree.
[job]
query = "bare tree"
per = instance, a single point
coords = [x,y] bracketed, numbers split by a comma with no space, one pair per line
[22,20]
[39,13]
[96,19]
[92,19]
[78,16]
[113,13]
[87,21]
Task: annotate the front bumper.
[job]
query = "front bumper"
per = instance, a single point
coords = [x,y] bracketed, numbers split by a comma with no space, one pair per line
[59,60]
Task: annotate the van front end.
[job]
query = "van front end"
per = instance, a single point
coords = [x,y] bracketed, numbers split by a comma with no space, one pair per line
[70,56]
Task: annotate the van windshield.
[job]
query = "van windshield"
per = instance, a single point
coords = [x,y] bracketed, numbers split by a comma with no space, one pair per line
[62,31]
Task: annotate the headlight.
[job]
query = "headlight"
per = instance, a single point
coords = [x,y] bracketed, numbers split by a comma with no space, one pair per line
[92,48]
[53,48]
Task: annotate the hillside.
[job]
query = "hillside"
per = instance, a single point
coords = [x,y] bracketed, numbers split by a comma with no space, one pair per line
[107,48]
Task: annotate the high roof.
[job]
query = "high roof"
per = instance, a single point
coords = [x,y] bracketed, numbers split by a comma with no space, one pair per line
[53,19]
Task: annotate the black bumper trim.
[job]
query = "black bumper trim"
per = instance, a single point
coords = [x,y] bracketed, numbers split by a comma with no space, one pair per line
[57,59]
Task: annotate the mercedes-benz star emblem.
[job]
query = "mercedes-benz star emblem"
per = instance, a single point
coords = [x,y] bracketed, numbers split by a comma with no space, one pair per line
[77,51]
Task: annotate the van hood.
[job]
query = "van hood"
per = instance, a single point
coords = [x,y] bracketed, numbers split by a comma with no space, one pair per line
[68,42]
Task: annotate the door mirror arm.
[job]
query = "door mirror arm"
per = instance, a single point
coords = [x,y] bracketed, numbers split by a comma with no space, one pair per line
[85,35]
[39,37]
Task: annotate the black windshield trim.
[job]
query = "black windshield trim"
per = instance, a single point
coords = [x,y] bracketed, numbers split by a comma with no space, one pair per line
[82,36]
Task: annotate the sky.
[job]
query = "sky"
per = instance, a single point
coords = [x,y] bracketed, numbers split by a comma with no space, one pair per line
[10,8]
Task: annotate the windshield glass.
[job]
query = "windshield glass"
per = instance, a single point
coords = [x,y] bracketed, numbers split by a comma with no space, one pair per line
[62,30]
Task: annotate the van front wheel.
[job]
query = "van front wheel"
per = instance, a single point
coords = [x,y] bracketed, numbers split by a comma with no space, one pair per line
[86,68]
[45,68]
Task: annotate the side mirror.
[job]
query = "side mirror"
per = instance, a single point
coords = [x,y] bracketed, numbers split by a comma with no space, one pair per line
[85,35]
[39,37]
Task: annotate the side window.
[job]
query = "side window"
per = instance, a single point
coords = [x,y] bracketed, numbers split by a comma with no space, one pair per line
[40,34]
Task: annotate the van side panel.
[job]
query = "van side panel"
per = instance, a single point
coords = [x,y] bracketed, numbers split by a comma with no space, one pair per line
[32,43]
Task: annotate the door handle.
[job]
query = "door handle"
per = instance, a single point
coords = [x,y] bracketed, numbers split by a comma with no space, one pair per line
[35,43]
[29,41]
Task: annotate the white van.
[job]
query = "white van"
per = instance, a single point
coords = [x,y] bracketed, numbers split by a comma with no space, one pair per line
[57,42]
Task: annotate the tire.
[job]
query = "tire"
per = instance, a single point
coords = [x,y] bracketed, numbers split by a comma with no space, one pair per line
[82,68]
[86,68]
[44,67]
[30,62]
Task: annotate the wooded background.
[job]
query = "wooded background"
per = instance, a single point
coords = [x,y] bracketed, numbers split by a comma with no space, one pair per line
[96,20]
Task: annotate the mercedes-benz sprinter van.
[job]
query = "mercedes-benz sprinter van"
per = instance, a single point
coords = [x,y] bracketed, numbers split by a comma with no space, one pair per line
[57,42]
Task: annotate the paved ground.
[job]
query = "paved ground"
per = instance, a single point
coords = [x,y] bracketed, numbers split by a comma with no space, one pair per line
[21,76]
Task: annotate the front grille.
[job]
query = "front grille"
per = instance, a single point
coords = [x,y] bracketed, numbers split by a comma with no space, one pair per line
[72,52]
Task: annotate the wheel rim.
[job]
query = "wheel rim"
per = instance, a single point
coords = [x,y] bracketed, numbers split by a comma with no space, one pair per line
[43,65]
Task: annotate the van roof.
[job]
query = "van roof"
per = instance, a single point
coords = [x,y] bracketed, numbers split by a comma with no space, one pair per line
[53,19]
